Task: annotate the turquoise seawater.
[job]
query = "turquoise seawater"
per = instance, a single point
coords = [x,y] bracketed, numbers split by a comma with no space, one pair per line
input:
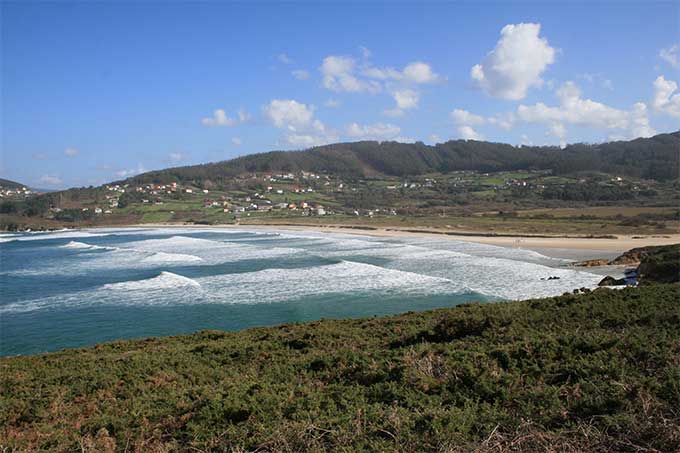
[77,288]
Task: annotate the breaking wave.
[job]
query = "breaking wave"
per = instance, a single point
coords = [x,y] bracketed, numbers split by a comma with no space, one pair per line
[164,280]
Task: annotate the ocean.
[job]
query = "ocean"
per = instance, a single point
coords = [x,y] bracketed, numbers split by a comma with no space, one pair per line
[77,288]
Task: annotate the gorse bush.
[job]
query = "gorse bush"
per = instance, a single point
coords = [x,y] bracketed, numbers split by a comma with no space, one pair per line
[595,371]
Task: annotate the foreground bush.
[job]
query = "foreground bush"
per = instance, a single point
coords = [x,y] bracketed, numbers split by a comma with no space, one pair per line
[597,371]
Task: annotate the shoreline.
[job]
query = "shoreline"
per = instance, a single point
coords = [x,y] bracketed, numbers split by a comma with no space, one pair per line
[569,247]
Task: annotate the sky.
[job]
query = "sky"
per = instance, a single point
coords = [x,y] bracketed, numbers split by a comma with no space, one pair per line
[97,91]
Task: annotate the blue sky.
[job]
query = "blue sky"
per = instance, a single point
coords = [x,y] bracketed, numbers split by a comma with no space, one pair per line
[95,91]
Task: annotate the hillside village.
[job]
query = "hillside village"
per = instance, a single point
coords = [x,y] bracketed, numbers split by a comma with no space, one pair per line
[308,194]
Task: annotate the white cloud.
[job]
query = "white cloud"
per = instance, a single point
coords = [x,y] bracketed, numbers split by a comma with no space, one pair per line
[283,58]
[71,152]
[405,99]
[434,138]
[175,157]
[219,118]
[302,129]
[503,120]
[419,72]
[236,141]
[465,121]
[463,117]
[131,172]
[377,131]
[416,73]
[50,180]
[640,126]
[332,103]
[665,101]
[300,74]
[671,55]
[573,109]
[288,112]
[339,75]
[515,64]
[468,133]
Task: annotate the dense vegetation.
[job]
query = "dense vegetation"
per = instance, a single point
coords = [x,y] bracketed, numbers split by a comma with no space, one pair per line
[648,158]
[660,264]
[594,371]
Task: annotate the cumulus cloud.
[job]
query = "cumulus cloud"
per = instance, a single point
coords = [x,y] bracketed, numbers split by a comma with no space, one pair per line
[666,100]
[71,152]
[515,64]
[50,180]
[419,72]
[302,129]
[468,133]
[339,75]
[671,55]
[219,118]
[405,99]
[342,73]
[288,112]
[416,73]
[377,131]
[236,141]
[465,121]
[460,116]
[573,109]
[640,126]
[300,74]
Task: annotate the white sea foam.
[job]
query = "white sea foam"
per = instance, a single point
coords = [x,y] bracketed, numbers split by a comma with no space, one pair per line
[407,266]
[164,258]
[63,234]
[83,246]
[164,280]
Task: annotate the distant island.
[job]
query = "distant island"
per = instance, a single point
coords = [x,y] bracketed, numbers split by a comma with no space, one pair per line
[622,187]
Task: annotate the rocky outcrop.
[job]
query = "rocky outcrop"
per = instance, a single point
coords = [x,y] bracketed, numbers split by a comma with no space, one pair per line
[592,263]
[611,281]
[660,264]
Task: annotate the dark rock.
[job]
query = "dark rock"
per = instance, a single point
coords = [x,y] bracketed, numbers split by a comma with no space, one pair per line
[611,281]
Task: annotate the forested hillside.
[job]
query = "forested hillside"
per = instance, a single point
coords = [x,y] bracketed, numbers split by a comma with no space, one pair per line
[647,158]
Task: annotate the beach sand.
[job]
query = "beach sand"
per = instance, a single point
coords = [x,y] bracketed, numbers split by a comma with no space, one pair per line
[575,248]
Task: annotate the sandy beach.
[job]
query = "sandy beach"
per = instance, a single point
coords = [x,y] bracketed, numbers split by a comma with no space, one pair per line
[577,248]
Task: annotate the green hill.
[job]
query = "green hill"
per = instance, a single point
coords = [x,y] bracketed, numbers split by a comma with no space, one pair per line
[649,158]
[7,184]
[589,372]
